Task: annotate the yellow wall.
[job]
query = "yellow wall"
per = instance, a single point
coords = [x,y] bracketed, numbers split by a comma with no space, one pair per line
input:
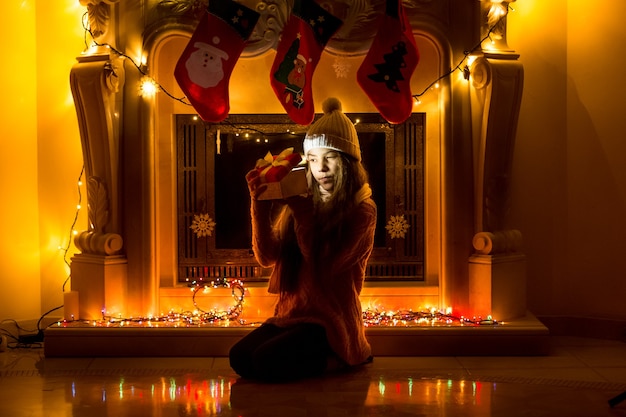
[59,150]
[569,179]
[596,159]
[570,172]
[19,216]
[40,154]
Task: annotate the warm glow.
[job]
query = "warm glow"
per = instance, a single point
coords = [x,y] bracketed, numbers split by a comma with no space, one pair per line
[148,87]
[497,10]
[38,118]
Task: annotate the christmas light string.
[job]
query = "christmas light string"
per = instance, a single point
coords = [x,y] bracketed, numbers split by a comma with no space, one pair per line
[237,292]
[408,318]
[197,318]
[17,343]
[466,55]
[371,317]
[66,250]
[416,97]
[122,54]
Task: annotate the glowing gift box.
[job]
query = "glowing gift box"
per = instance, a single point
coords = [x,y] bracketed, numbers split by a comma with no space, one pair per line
[282,175]
[293,184]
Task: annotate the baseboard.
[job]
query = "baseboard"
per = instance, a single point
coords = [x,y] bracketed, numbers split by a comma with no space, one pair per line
[592,327]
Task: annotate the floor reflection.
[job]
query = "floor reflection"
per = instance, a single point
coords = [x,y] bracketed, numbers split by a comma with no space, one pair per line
[576,380]
[362,395]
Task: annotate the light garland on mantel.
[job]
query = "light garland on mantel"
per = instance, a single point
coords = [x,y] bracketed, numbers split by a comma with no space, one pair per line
[372,317]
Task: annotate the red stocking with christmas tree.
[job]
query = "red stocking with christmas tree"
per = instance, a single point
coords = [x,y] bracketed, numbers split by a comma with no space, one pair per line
[385,74]
[204,68]
[302,41]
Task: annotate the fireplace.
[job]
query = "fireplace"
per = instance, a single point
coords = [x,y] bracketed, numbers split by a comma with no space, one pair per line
[468,84]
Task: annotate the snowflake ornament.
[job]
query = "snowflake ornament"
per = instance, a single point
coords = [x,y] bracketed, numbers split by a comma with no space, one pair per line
[342,67]
[202,225]
[397,226]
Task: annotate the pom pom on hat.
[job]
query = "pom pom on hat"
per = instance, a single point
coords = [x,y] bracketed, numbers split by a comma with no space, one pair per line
[334,130]
[331,104]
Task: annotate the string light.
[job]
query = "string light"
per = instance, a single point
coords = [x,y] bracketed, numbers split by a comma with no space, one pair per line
[149,86]
[371,317]
[199,317]
[501,14]
[73,231]
[407,318]
[65,250]
[139,67]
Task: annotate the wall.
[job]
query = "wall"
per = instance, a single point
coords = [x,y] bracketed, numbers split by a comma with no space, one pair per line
[59,149]
[40,155]
[569,175]
[19,217]
[568,183]
[596,152]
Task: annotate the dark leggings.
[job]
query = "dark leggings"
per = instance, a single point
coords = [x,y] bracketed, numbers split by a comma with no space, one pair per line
[273,353]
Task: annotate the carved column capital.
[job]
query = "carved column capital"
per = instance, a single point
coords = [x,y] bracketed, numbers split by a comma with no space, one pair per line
[493,29]
[504,241]
[99,243]
[99,16]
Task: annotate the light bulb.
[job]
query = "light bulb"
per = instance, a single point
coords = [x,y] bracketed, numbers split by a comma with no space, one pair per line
[148,87]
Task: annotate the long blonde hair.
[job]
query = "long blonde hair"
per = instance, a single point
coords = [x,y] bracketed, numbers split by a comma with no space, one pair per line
[330,217]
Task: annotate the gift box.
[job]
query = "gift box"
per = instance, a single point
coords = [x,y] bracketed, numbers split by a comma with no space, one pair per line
[275,168]
[294,183]
[283,176]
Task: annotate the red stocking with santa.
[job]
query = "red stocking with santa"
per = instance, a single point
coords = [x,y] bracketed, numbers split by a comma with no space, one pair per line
[204,68]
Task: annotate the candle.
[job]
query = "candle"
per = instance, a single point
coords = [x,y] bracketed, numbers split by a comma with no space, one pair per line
[70,305]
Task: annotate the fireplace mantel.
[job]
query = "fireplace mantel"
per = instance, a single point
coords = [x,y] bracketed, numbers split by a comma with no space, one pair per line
[475,261]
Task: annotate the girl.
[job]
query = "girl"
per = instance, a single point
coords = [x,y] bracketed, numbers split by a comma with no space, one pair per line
[318,246]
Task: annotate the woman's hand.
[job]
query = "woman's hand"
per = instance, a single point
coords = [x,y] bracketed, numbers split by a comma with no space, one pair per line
[255,187]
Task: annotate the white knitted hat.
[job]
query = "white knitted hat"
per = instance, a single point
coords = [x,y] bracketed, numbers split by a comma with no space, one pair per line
[333,130]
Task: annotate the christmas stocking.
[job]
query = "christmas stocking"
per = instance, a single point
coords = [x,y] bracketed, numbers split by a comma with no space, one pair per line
[302,41]
[204,68]
[385,74]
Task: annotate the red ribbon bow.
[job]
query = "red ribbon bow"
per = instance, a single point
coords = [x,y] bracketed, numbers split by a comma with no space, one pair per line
[275,168]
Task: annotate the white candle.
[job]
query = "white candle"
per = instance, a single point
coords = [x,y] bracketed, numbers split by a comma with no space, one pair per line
[70,305]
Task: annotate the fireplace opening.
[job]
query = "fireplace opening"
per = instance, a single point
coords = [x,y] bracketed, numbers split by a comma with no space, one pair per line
[212,160]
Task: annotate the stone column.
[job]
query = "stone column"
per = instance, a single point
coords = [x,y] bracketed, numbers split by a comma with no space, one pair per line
[98,273]
[497,267]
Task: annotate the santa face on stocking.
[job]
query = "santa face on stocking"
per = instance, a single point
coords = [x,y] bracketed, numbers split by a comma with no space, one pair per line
[204,66]
[203,70]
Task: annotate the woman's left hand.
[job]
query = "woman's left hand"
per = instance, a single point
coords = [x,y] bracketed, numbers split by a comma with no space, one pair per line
[255,187]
